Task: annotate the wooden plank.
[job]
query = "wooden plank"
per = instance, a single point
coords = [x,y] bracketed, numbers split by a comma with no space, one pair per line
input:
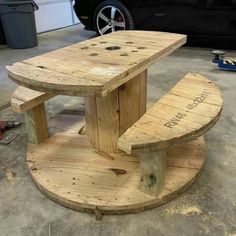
[108,122]
[186,112]
[97,66]
[36,124]
[132,101]
[114,83]
[109,117]
[100,67]
[201,89]
[152,172]
[24,99]
[143,93]
[91,120]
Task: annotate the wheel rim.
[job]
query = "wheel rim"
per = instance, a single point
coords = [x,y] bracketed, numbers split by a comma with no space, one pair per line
[110,19]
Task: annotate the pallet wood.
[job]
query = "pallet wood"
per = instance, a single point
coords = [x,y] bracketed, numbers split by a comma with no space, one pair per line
[107,118]
[36,124]
[24,99]
[86,181]
[97,66]
[186,112]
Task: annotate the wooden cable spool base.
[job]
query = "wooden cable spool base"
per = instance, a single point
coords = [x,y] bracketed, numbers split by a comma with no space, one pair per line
[67,170]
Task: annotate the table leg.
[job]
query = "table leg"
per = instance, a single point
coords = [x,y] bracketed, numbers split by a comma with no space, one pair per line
[107,118]
[36,123]
[152,172]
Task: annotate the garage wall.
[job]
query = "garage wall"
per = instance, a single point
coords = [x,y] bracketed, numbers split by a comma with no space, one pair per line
[54,14]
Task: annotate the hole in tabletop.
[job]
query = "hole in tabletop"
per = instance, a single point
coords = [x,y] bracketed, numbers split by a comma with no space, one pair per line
[129,42]
[84,47]
[123,54]
[103,42]
[42,67]
[93,44]
[141,48]
[113,48]
[93,54]
[134,51]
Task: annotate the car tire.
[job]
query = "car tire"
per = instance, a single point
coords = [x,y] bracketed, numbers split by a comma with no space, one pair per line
[112,15]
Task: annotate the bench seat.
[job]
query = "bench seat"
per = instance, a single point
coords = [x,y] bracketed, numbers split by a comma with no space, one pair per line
[32,103]
[185,113]
[24,99]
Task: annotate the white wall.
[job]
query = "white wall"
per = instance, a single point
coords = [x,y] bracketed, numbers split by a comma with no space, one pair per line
[54,14]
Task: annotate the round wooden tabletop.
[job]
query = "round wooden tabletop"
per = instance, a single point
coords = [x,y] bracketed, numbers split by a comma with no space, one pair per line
[96,66]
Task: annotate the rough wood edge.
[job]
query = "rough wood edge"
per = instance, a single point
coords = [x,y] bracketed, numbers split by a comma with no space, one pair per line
[175,141]
[82,91]
[19,105]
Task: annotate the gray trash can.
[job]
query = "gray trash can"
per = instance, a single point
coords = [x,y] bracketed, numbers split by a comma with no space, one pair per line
[19,23]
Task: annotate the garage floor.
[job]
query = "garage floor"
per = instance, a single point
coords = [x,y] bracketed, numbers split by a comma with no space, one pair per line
[207,208]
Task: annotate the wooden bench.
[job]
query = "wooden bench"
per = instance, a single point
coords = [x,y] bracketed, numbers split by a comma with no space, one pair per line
[32,103]
[186,112]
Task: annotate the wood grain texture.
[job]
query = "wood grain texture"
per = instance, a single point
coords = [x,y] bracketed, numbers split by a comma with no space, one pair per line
[24,99]
[132,101]
[67,170]
[91,120]
[152,172]
[36,124]
[108,122]
[143,93]
[96,66]
[186,112]
[107,118]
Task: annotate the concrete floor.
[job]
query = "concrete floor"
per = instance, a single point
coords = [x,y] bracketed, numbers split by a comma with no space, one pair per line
[207,208]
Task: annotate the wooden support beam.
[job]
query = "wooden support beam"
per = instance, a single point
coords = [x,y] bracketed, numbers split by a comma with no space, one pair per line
[152,172]
[91,120]
[108,122]
[132,101]
[107,118]
[36,123]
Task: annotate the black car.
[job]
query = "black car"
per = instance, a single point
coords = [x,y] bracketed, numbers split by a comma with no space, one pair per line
[206,22]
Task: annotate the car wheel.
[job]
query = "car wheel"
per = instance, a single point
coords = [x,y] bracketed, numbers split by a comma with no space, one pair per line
[111,16]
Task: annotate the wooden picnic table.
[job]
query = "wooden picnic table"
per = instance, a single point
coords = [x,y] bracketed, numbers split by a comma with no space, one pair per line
[109,71]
